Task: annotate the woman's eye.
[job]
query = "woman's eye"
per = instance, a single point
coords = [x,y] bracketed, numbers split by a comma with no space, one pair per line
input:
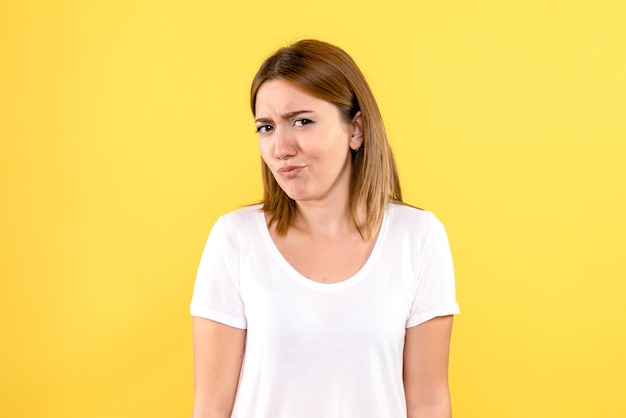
[302,122]
[263,129]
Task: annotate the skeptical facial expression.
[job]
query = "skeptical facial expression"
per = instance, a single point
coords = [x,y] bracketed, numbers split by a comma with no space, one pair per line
[305,142]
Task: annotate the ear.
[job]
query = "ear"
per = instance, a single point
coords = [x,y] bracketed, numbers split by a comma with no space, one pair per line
[356,138]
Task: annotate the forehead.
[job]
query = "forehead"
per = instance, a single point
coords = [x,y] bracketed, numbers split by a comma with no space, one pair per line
[280,96]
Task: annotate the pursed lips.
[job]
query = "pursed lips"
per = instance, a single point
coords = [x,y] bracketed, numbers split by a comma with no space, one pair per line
[290,170]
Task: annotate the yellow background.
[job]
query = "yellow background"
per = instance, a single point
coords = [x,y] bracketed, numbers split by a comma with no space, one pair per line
[125,132]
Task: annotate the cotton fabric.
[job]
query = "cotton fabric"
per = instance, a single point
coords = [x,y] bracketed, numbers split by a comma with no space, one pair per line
[324,350]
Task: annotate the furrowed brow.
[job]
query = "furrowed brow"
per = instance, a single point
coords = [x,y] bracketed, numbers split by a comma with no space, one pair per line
[263,120]
[294,114]
[288,115]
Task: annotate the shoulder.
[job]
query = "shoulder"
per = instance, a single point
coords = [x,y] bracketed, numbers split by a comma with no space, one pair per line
[242,218]
[237,225]
[408,219]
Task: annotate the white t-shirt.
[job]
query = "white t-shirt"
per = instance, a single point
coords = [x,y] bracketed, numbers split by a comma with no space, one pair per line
[324,350]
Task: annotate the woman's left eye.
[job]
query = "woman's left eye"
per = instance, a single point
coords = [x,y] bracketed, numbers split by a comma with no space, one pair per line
[302,122]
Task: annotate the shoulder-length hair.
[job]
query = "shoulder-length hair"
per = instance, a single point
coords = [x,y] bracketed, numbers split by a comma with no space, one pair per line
[328,73]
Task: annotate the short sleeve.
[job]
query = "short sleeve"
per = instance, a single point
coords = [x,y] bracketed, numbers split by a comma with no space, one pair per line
[435,292]
[216,293]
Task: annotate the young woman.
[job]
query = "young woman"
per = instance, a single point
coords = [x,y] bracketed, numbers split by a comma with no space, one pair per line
[331,299]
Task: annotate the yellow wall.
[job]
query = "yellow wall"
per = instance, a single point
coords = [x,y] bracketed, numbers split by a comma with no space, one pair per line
[125,132]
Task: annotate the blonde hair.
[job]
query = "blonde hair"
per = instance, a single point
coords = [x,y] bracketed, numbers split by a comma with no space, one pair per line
[328,73]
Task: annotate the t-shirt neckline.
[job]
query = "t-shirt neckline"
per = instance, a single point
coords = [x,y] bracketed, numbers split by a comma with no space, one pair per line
[300,278]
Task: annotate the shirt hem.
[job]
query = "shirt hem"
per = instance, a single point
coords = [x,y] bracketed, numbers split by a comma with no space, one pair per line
[219,317]
[450,309]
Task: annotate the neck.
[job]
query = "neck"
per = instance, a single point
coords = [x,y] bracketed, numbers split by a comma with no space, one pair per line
[329,219]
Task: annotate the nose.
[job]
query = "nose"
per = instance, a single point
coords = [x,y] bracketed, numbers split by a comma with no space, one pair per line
[284,145]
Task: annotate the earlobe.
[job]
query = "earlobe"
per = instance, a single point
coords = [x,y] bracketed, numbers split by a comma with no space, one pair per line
[356,140]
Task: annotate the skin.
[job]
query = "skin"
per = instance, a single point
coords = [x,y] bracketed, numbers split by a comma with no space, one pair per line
[307,145]
[302,131]
[218,354]
[426,353]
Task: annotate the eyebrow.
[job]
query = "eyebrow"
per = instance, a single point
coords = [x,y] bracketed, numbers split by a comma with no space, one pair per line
[288,115]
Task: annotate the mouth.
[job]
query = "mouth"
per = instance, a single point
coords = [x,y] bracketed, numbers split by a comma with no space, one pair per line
[290,171]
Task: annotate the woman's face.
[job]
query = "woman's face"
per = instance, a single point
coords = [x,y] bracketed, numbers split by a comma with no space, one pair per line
[305,142]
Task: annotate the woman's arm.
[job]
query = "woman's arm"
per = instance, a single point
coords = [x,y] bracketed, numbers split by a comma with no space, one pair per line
[426,353]
[218,353]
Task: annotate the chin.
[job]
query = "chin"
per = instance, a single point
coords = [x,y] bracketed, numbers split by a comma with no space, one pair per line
[298,196]
[296,193]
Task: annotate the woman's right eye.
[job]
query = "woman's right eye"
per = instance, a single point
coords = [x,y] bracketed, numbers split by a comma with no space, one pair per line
[263,129]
